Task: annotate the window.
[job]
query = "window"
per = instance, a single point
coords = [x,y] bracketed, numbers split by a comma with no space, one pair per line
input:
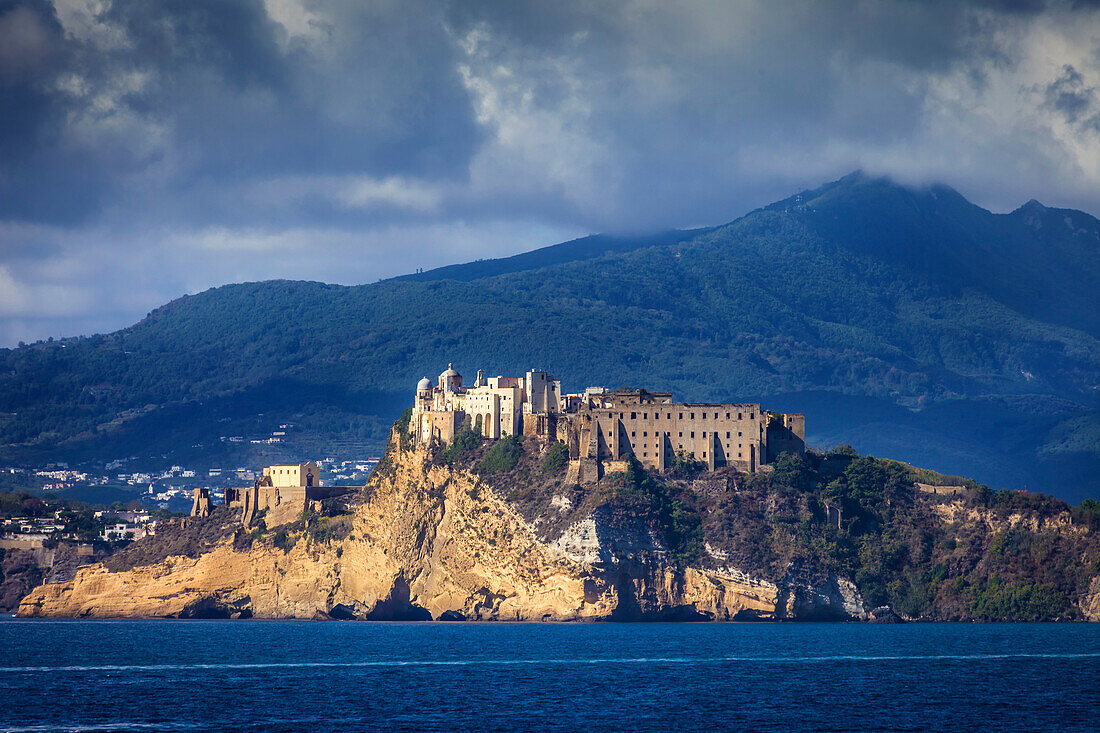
[693,433]
[680,446]
[693,416]
[645,434]
[693,454]
[644,454]
[631,433]
[681,433]
[727,434]
[704,433]
[645,415]
[738,433]
[739,416]
[633,416]
[727,416]
[716,416]
[670,416]
[681,416]
[750,416]
[704,454]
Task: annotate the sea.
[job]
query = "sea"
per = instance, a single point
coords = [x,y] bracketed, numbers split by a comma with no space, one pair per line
[169,675]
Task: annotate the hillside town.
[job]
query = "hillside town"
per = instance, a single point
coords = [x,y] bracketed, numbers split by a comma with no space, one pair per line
[171,488]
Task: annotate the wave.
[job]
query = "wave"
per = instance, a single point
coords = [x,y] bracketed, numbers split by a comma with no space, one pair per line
[548,662]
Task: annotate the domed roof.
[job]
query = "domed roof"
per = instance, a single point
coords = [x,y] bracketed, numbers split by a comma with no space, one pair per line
[423,384]
[450,372]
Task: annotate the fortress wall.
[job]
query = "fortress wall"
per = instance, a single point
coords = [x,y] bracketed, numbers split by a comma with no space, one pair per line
[786,434]
[717,434]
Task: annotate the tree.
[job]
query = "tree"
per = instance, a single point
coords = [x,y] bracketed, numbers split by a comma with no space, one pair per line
[793,471]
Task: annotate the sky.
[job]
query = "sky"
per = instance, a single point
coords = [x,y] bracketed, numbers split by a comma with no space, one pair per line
[152,149]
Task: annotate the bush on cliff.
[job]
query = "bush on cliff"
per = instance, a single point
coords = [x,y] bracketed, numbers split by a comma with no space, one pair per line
[679,524]
[402,425]
[282,540]
[866,487]
[329,529]
[503,455]
[686,466]
[556,458]
[464,444]
[995,600]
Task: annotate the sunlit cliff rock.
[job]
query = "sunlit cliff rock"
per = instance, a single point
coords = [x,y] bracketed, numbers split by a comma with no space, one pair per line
[428,540]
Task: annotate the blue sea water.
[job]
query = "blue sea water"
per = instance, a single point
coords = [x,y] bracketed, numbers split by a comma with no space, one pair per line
[276,676]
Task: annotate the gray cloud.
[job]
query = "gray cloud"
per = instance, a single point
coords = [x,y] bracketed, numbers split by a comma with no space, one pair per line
[1069,95]
[153,148]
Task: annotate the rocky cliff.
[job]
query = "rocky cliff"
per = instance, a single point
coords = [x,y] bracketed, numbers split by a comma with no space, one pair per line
[503,530]
[23,569]
[429,540]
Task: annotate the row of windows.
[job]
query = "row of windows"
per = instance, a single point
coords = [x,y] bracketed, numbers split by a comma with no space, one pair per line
[691,415]
[646,455]
[645,434]
[681,445]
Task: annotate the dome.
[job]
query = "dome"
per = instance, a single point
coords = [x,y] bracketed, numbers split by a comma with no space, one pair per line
[450,372]
[423,384]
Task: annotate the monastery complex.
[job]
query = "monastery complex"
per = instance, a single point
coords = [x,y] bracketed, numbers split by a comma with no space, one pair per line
[602,426]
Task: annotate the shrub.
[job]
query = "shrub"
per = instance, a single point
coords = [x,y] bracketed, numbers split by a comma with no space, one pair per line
[679,523]
[1017,601]
[402,424]
[556,458]
[326,529]
[282,540]
[792,470]
[685,465]
[465,442]
[503,456]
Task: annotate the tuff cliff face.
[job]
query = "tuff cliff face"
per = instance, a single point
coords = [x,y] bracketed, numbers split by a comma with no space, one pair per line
[431,541]
[23,569]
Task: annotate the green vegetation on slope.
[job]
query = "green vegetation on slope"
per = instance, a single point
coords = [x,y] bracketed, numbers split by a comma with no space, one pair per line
[985,555]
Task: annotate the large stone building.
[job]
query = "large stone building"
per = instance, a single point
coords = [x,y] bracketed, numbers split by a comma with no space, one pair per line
[495,406]
[601,426]
[279,486]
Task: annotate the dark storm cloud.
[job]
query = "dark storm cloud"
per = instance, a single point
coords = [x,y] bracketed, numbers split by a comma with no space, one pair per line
[157,147]
[237,105]
[1076,101]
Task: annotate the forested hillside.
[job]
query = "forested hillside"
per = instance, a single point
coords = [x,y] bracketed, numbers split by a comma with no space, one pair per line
[909,323]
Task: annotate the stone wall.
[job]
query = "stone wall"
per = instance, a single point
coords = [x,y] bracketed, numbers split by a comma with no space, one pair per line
[716,434]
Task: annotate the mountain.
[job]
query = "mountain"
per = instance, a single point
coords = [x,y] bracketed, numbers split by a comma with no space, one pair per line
[904,321]
[585,248]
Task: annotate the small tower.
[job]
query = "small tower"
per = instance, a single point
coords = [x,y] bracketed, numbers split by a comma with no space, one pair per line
[450,380]
[201,506]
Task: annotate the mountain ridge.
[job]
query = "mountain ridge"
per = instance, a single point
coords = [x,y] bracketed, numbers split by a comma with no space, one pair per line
[861,289]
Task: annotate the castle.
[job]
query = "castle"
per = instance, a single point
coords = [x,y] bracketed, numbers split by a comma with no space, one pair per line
[600,426]
[280,485]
